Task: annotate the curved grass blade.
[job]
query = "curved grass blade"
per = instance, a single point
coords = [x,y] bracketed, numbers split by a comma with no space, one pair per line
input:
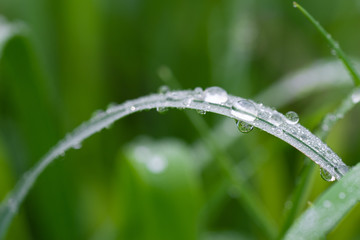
[334,45]
[328,209]
[237,108]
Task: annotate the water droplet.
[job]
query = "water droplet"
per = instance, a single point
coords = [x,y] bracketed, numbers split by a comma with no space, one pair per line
[162,109]
[132,108]
[77,146]
[97,113]
[202,112]
[327,204]
[355,97]
[215,95]
[244,127]
[156,164]
[199,93]
[187,102]
[292,117]
[333,52]
[110,107]
[276,119]
[295,5]
[326,175]
[164,89]
[342,195]
[244,110]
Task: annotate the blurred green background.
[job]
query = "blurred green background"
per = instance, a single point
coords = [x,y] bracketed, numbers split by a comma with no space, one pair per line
[154,176]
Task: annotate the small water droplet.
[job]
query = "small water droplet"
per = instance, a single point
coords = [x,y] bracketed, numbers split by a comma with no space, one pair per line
[110,107]
[327,204]
[132,108]
[202,112]
[156,164]
[326,175]
[199,93]
[342,195]
[215,95]
[244,127]
[187,102]
[164,89]
[77,146]
[355,97]
[244,110]
[162,109]
[292,117]
[333,52]
[97,113]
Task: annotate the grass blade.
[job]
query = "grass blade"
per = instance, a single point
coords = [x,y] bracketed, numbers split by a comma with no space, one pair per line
[237,108]
[333,44]
[322,132]
[328,209]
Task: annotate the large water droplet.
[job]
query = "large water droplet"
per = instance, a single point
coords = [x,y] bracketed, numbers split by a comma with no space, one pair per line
[355,97]
[292,117]
[326,175]
[215,95]
[164,89]
[244,110]
[244,127]
[276,119]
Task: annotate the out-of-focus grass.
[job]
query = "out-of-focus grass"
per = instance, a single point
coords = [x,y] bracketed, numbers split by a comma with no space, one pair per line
[80,55]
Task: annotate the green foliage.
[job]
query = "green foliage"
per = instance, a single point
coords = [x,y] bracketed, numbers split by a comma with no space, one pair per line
[73,57]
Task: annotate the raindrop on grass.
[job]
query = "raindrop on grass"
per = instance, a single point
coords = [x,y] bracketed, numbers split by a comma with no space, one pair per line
[202,112]
[342,195]
[355,97]
[162,109]
[244,110]
[326,175]
[244,127]
[215,95]
[164,89]
[276,119]
[292,117]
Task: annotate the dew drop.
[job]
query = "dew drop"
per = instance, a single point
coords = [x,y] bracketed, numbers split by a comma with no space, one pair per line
[355,97]
[187,102]
[342,195]
[162,109]
[327,204]
[292,117]
[333,52]
[156,164]
[202,112]
[326,175]
[132,108]
[244,110]
[276,119]
[164,89]
[215,95]
[244,127]
[110,107]
[77,146]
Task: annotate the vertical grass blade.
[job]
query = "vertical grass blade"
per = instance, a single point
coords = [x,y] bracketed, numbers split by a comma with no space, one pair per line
[333,44]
